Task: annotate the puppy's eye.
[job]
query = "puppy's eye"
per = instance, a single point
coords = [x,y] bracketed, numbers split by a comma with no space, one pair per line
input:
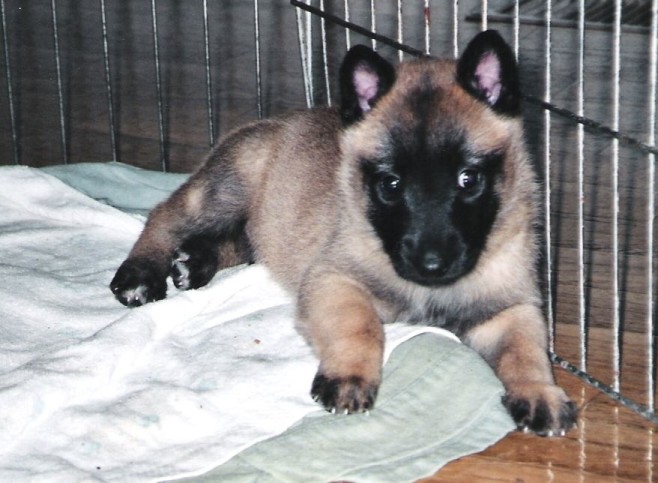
[468,178]
[390,187]
[391,184]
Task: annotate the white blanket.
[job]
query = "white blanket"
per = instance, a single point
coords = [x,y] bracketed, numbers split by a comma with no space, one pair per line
[91,390]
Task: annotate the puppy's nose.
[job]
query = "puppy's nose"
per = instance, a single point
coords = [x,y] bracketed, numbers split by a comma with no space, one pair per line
[432,263]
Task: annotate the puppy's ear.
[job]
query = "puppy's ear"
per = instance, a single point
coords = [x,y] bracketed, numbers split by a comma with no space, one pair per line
[487,70]
[364,78]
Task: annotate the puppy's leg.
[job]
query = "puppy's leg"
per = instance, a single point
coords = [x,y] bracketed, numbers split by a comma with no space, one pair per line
[204,213]
[514,344]
[340,322]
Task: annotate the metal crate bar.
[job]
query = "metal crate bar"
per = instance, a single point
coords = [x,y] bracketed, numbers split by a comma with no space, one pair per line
[158,86]
[325,61]
[582,323]
[593,126]
[348,38]
[616,314]
[60,94]
[259,89]
[547,180]
[428,23]
[455,28]
[644,411]
[306,73]
[206,43]
[400,29]
[373,22]
[108,84]
[10,94]
[651,203]
[517,29]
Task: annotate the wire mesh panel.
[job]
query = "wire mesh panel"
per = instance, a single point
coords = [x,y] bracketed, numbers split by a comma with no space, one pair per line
[147,83]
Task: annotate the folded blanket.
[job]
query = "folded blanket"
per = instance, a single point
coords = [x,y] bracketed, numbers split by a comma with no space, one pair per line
[211,378]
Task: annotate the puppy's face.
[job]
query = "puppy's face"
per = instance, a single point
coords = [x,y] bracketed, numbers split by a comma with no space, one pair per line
[436,144]
[432,200]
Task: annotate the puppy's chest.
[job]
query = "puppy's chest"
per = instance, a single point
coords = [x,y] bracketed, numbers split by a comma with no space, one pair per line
[458,318]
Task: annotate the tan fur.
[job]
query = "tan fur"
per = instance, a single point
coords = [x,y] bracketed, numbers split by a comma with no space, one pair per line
[297,182]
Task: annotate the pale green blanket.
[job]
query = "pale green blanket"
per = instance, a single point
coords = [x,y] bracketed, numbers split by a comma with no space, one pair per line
[438,402]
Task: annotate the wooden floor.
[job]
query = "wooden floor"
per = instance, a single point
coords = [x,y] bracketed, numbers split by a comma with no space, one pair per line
[611,443]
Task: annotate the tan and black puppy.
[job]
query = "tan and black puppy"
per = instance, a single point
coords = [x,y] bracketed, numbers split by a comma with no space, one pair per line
[414,201]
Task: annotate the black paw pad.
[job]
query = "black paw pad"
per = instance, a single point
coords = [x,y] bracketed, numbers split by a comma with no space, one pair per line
[519,409]
[138,282]
[347,395]
[568,415]
[542,420]
[194,263]
[540,416]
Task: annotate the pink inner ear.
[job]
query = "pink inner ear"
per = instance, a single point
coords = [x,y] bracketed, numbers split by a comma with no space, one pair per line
[366,83]
[487,77]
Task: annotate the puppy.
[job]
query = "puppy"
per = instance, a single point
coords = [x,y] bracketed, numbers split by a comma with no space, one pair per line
[414,200]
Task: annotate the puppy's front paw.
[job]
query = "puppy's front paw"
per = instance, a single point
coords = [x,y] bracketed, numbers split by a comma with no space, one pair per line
[194,263]
[137,282]
[352,394]
[543,409]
